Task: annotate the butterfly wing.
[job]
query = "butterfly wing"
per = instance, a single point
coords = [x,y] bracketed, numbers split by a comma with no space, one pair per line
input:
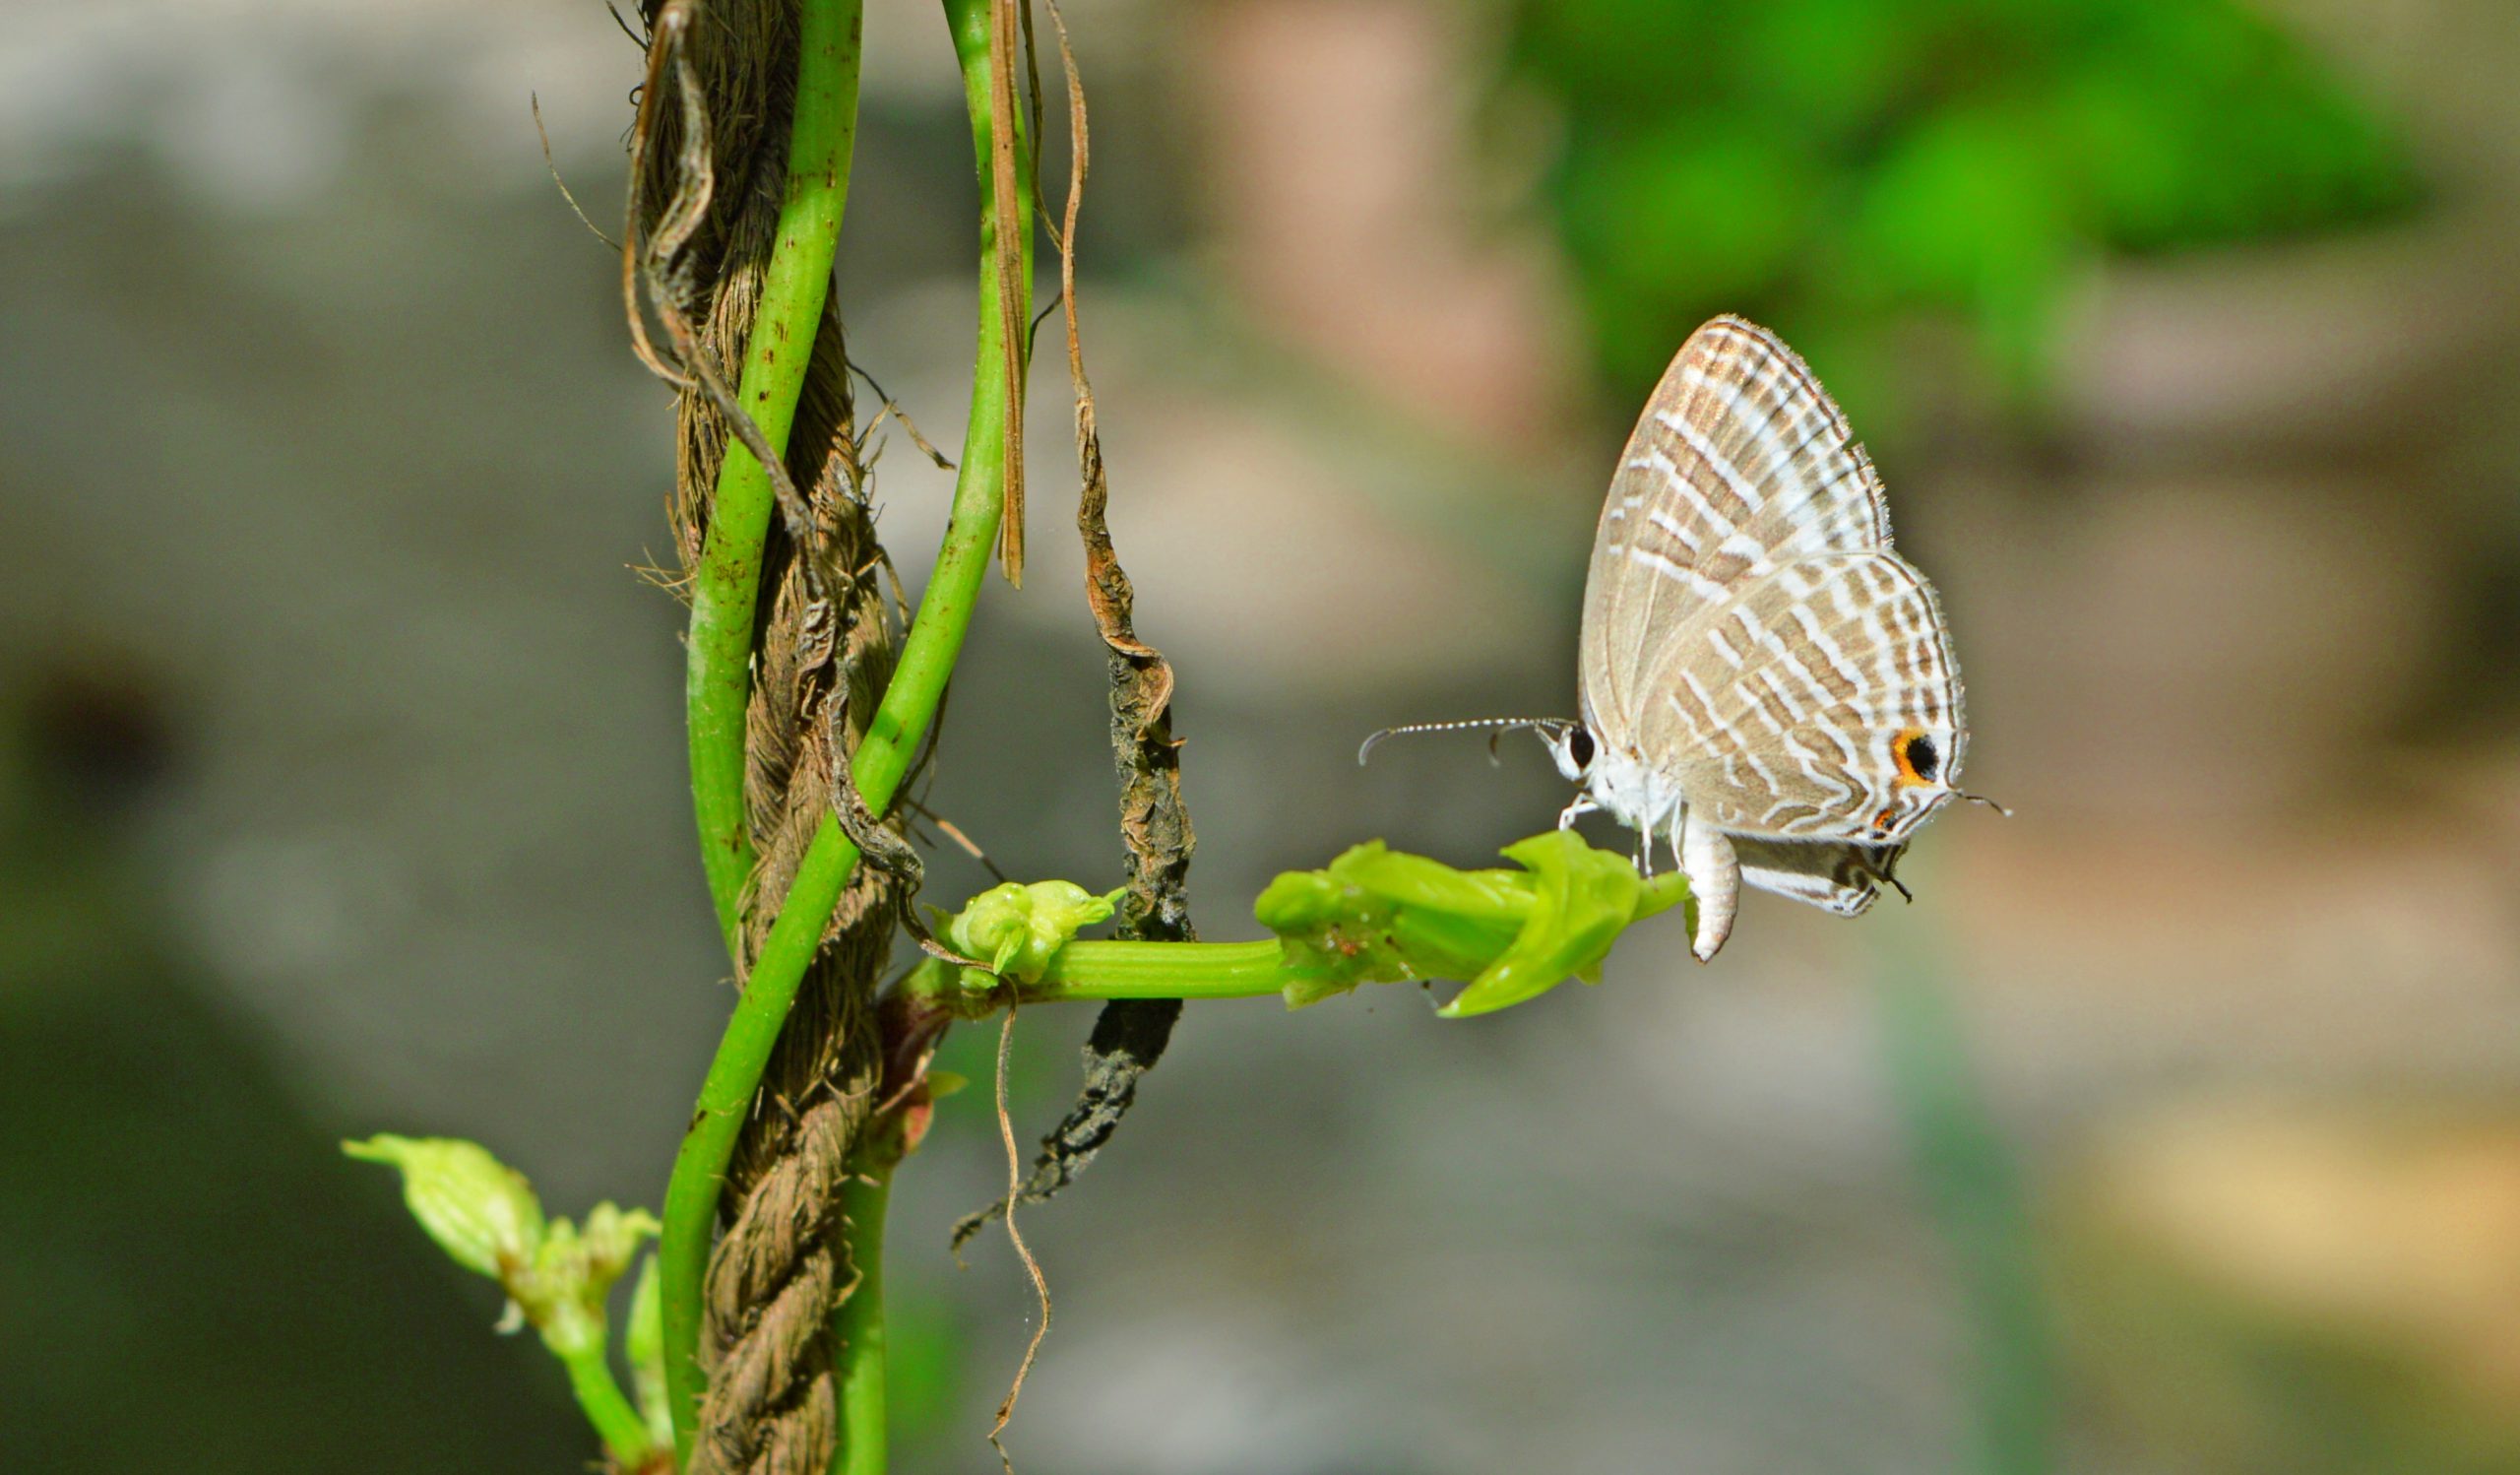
[1820,702]
[1833,875]
[1740,461]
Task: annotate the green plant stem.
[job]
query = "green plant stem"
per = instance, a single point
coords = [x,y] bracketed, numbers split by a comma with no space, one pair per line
[858,1330]
[883,756]
[1161,970]
[608,1408]
[1107,970]
[725,584]
[1973,1188]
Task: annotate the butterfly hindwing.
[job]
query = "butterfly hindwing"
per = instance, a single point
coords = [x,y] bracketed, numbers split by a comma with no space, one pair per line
[1833,875]
[1822,702]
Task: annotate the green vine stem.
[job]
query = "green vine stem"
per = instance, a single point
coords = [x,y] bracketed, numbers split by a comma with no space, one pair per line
[608,1408]
[1088,969]
[726,585]
[859,1328]
[901,721]
[1966,1174]
[1371,916]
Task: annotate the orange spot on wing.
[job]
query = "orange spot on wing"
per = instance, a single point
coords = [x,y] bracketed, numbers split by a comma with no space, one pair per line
[1899,753]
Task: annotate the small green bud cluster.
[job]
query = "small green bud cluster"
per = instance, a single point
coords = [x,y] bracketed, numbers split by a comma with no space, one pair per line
[1019,928]
[486,1218]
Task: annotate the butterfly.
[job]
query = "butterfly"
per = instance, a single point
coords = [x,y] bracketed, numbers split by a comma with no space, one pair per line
[1764,680]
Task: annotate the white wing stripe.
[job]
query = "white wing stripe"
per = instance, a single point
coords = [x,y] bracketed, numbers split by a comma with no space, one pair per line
[1706,588]
[1724,472]
[1739,742]
[1680,531]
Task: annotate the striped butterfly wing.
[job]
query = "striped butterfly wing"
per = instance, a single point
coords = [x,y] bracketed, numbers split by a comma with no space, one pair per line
[1740,461]
[1749,629]
[1820,701]
[1833,875]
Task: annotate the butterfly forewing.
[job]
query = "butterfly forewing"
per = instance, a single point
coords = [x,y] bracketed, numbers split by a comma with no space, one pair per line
[1740,461]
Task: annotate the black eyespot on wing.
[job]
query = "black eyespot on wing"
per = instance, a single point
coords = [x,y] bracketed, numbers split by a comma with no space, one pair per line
[1579,746]
[1924,760]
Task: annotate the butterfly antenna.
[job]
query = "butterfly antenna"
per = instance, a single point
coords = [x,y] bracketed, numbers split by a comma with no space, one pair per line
[1979,799]
[1503,725]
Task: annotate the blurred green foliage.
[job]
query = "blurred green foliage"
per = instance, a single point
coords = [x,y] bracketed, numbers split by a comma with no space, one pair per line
[1830,167]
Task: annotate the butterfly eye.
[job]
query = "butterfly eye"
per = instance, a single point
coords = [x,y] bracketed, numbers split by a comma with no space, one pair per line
[1579,746]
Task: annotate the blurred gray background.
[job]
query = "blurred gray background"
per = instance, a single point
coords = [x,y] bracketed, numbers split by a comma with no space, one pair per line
[2178,1118]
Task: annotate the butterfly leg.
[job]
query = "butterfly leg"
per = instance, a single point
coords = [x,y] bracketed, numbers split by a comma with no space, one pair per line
[1582,807]
[1715,882]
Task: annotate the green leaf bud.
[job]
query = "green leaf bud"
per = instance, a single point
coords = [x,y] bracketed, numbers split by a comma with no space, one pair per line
[562,1292]
[1582,899]
[1017,927]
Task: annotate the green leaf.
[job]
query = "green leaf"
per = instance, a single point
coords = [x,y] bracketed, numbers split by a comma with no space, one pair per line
[1582,900]
[482,1212]
[1375,915]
